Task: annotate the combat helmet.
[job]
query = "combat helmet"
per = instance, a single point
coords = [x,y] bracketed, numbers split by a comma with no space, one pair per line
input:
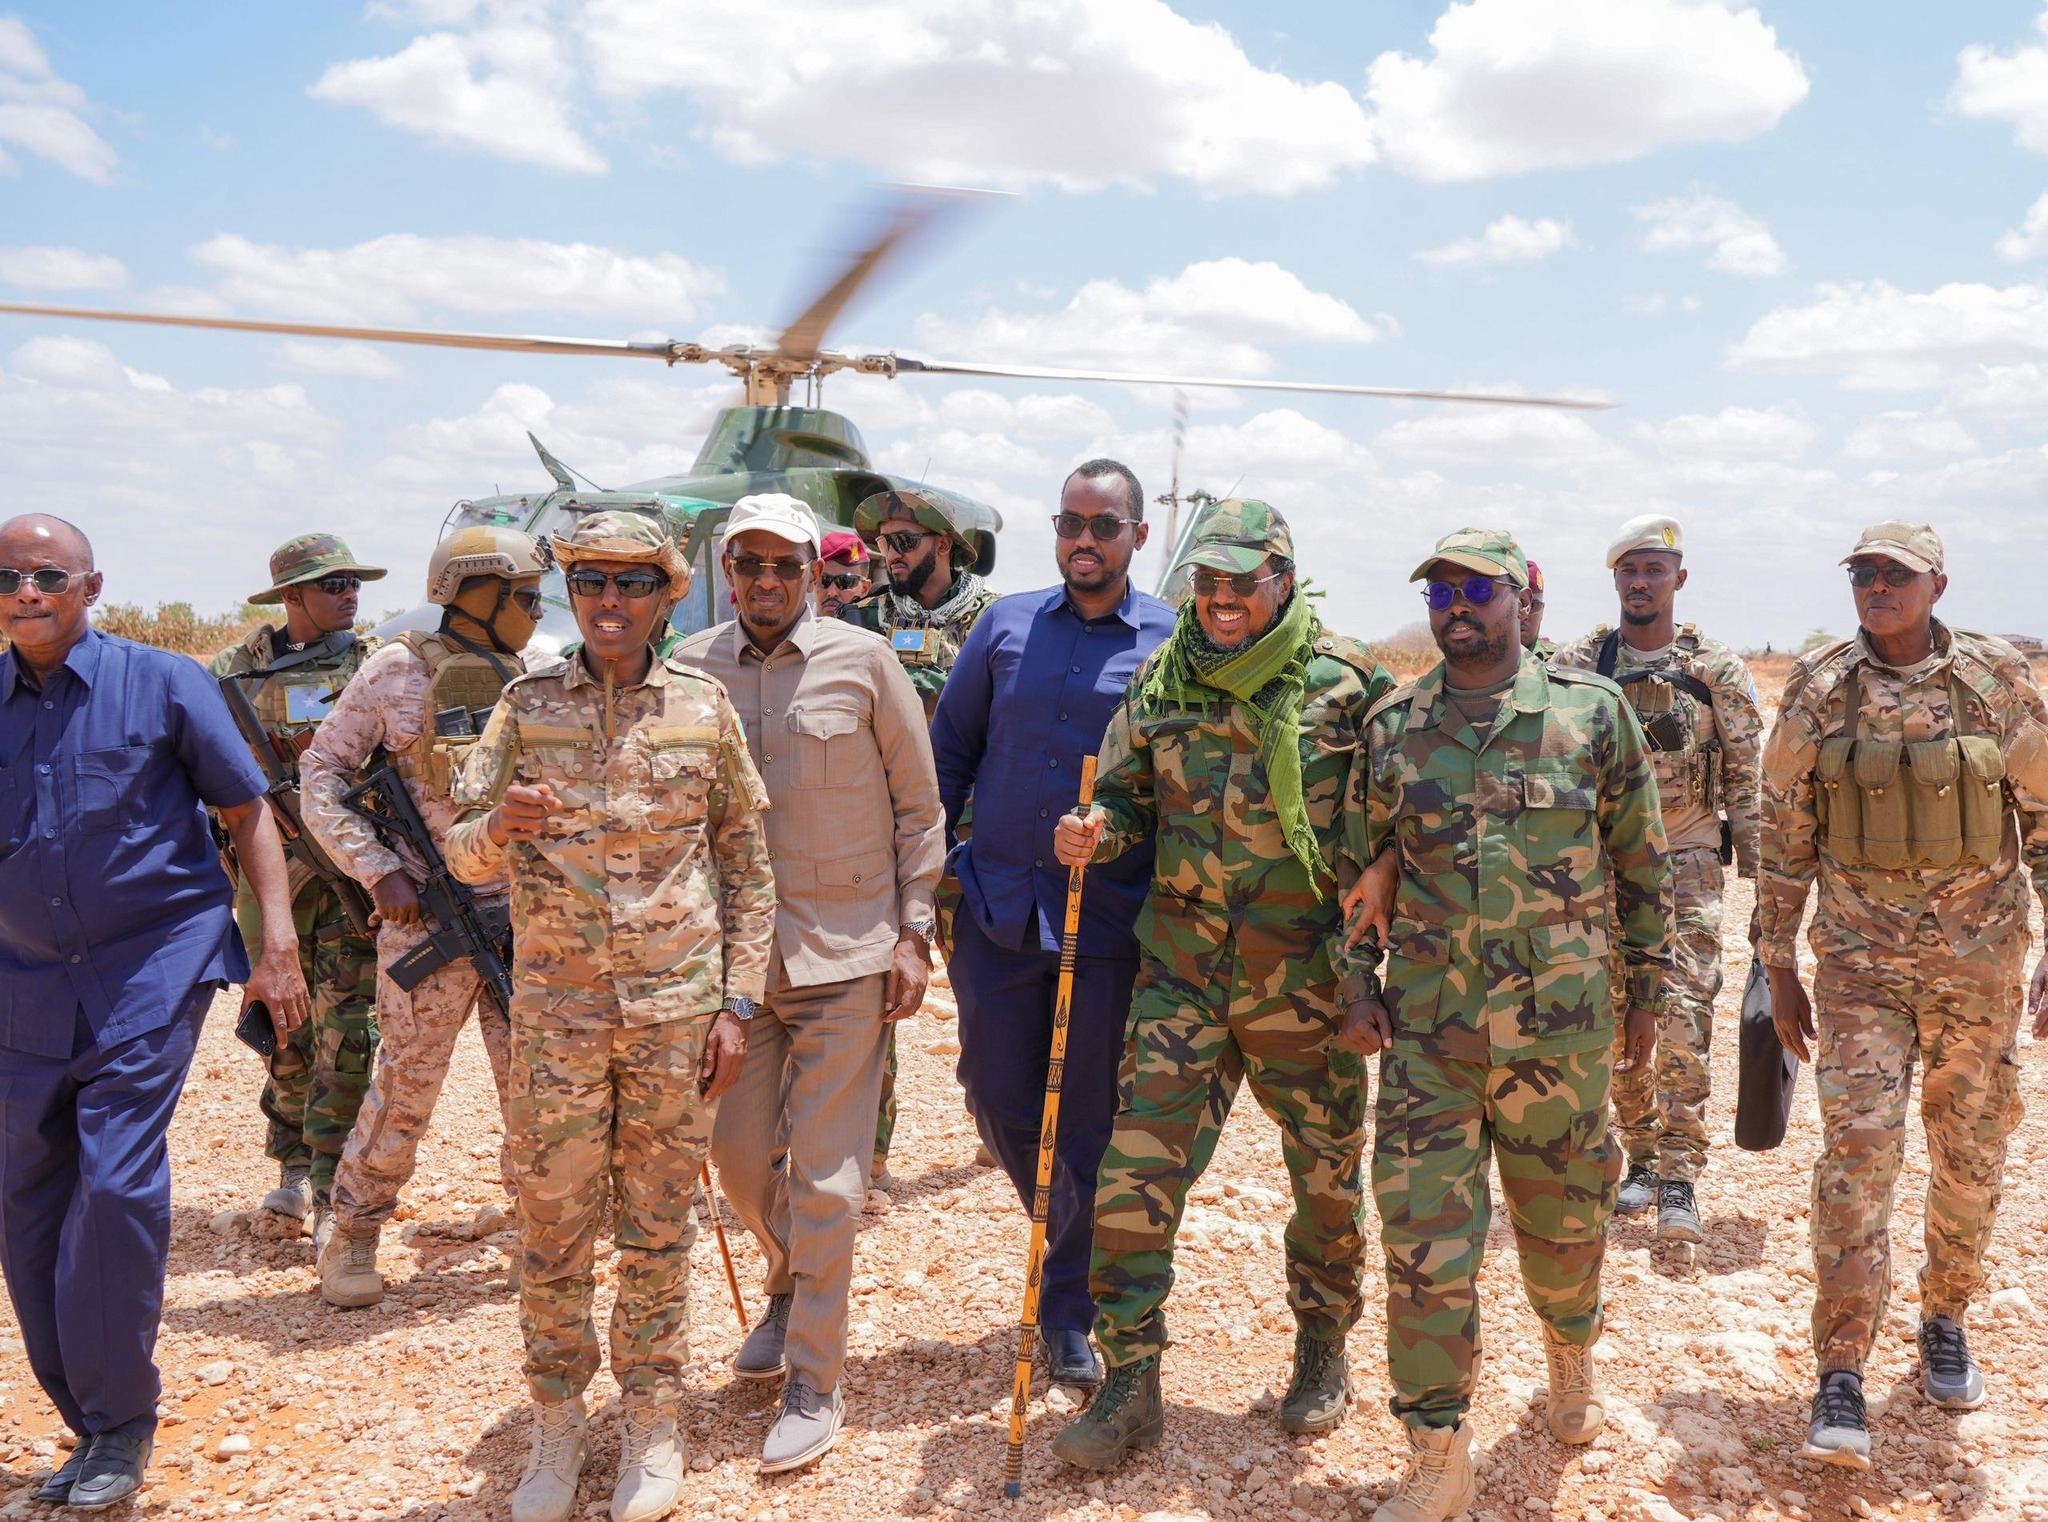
[481,551]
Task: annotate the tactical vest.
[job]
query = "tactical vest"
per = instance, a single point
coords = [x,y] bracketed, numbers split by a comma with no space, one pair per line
[292,700]
[1902,805]
[1672,706]
[463,685]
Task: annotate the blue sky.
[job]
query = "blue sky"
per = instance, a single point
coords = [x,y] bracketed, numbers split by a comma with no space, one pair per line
[1794,241]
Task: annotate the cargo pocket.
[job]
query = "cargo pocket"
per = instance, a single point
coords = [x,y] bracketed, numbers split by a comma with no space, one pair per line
[1838,806]
[1983,798]
[1887,813]
[680,792]
[1418,962]
[1934,770]
[823,735]
[1571,991]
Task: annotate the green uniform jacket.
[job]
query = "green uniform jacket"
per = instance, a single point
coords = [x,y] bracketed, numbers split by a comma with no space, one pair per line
[1192,779]
[1510,848]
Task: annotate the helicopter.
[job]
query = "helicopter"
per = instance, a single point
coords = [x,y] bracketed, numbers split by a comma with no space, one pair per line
[768,443]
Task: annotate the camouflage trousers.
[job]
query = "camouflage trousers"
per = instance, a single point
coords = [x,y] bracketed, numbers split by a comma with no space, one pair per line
[885,1111]
[1440,1124]
[595,1117]
[1229,1009]
[1878,1013]
[319,1074]
[1662,1109]
[416,1034]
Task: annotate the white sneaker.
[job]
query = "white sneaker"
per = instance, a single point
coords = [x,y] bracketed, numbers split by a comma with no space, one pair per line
[547,1491]
[650,1466]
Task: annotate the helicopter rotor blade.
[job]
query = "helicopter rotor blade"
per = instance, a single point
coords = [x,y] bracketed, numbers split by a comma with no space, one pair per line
[902,365]
[908,213]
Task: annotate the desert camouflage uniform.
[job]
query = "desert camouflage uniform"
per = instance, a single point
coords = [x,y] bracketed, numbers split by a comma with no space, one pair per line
[384,709]
[647,903]
[1706,768]
[1511,844]
[1242,974]
[1916,964]
[318,1074]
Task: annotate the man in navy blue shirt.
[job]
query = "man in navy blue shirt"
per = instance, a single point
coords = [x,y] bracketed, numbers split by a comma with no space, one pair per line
[116,929]
[1030,696]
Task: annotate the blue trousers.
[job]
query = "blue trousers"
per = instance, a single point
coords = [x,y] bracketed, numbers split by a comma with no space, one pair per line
[1006,1002]
[85,1215]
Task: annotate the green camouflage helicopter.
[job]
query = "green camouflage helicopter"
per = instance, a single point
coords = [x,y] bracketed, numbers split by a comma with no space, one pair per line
[766,443]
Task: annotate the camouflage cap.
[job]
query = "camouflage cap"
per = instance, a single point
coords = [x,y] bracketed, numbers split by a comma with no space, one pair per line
[1238,536]
[1489,551]
[1914,545]
[926,509]
[623,536]
[308,558]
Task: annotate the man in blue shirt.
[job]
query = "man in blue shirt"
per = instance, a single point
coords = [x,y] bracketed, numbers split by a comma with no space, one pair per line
[1030,696]
[116,929]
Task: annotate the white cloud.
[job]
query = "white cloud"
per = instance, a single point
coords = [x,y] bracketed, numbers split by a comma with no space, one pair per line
[1211,318]
[61,269]
[2008,87]
[1508,240]
[1080,94]
[2006,392]
[1537,438]
[1037,418]
[1733,433]
[395,277]
[1895,436]
[1875,336]
[349,361]
[1656,304]
[44,114]
[2030,239]
[499,88]
[1741,244]
[1517,85]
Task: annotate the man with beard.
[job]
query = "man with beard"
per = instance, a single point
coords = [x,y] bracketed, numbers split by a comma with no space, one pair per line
[1697,705]
[1233,752]
[1514,800]
[843,578]
[1532,618]
[1029,699]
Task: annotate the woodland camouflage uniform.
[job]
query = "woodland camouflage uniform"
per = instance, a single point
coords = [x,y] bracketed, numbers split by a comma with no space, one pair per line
[1920,938]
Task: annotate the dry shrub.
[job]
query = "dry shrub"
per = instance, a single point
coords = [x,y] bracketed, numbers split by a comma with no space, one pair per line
[1407,652]
[174,626]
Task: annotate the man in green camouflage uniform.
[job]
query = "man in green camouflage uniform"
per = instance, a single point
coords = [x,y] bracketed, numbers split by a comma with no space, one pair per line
[1234,748]
[1532,618]
[925,610]
[1908,772]
[1696,703]
[291,674]
[629,816]
[1516,799]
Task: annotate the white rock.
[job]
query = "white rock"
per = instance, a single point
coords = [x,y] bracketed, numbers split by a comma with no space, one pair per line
[232,1444]
[215,1373]
[2011,1302]
[1536,1504]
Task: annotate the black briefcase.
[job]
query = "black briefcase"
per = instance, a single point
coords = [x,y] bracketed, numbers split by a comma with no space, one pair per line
[1770,1074]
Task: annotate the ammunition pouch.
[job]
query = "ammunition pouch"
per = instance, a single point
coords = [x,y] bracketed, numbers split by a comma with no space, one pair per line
[1901,806]
[459,678]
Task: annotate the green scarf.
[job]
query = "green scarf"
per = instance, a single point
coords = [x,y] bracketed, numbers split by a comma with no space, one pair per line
[1270,677]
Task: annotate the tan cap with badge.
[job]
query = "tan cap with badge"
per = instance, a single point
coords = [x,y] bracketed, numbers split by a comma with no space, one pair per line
[1652,531]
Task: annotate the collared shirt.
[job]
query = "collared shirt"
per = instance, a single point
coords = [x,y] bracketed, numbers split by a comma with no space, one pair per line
[1030,697]
[112,897]
[836,727]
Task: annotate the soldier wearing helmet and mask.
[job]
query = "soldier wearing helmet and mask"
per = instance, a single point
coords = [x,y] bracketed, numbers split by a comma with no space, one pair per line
[400,707]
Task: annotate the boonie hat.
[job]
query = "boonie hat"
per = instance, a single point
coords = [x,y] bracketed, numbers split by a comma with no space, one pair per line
[1652,531]
[1489,551]
[623,536]
[925,510]
[772,512]
[1239,535]
[1915,545]
[310,557]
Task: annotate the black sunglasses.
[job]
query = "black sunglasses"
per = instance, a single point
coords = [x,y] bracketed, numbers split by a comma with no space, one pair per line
[527,600]
[1105,528]
[842,581]
[48,580]
[1243,583]
[1477,591]
[903,541]
[334,586]
[631,584]
[1895,576]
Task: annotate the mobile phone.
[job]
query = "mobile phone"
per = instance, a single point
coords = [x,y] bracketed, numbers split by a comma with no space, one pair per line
[255,1031]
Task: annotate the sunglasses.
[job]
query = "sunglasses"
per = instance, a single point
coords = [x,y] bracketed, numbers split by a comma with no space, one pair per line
[753,567]
[1104,529]
[527,600]
[334,586]
[842,581]
[49,581]
[631,584]
[1243,583]
[1477,591]
[903,541]
[1863,576]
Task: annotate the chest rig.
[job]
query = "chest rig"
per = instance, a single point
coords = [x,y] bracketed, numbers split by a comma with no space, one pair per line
[463,685]
[294,693]
[1674,708]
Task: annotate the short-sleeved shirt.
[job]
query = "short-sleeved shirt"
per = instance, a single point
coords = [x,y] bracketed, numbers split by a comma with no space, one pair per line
[113,903]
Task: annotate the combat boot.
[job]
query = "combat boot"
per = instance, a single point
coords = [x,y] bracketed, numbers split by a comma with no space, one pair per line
[650,1465]
[1126,1415]
[1678,1215]
[1440,1483]
[293,1197]
[348,1269]
[547,1490]
[323,1224]
[1319,1394]
[1578,1409]
[1637,1190]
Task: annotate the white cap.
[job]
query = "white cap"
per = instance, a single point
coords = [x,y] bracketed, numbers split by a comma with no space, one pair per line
[773,512]
[1652,531]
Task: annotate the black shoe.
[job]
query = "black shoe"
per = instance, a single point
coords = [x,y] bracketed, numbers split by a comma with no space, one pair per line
[1948,1374]
[1637,1190]
[1319,1394]
[57,1488]
[1068,1358]
[112,1472]
[1127,1414]
[1678,1217]
[1840,1433]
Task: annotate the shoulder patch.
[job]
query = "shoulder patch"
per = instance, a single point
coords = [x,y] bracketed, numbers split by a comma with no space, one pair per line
[1352,652]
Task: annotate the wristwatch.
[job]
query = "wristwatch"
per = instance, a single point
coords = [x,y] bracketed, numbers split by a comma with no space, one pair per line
[923,929]
[741,1009]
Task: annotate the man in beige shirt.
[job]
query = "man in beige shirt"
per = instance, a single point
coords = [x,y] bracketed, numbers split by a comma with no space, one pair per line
[855,831]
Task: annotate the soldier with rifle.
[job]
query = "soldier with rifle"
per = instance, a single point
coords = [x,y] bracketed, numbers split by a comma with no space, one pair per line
[409,717]
[279,683]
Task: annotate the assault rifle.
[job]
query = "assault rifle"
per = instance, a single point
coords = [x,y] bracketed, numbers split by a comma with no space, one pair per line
[462,928]
[286,808]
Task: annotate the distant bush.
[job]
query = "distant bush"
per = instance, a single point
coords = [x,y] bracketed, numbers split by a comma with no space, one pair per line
[1407,652]
[174,626]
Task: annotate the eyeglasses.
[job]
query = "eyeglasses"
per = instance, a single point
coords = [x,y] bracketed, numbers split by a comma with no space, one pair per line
[48,580]
[1106,528]
[842,581]
[1477,591]
[527,600]
[1244,583]
[631,584]
[1860,576]
[753,567]
[903,541]
[334,586]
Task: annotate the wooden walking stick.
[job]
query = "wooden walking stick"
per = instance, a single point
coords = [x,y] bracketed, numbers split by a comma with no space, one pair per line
[732,1280]
[1048,1131]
